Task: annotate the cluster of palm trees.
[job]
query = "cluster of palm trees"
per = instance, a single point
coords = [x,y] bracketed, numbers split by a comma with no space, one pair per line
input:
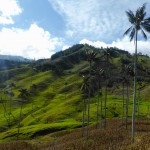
[9,94]
[7,103]
[100,76]
[23,95]
[92,85]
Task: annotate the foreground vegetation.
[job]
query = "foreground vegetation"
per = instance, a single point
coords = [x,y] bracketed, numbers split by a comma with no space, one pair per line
[114,137]
[48,100]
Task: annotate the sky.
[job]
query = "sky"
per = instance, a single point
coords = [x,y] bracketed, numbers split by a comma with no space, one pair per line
[38,28]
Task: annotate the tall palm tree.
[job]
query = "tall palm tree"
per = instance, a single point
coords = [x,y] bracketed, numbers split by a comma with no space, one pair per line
[107,55]
[88,90]
[12,85]
[23,95]
[123,94]
[99,75]
[4,106]
[139,23]
[91,56]
[65,83]
[33,89]
[128,74]
[85,90]
[10,94]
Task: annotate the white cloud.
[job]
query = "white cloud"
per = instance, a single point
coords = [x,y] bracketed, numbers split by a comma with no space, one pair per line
[34,42]
[95,19]
[8,9]
[65,47]
[124,44]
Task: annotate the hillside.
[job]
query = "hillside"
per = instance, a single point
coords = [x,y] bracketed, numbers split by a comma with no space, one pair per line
[54,100]
[13,58]
[8,61]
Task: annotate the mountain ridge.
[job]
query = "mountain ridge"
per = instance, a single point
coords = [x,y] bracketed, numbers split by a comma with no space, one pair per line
[13,58]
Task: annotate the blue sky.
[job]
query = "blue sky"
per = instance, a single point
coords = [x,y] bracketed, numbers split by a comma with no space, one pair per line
[39,28]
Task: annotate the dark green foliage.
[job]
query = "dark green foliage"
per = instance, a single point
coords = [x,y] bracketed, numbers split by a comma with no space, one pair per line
[67,59]
[4,64]
[125,61]
[62,60]
[23,94]
[67,52]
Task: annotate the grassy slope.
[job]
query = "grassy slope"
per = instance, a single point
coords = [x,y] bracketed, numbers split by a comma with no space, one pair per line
[52,108]
[114,137]
[55,105]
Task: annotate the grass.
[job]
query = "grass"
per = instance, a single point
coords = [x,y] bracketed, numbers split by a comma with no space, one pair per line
[114,137]
[32,131]
[55,105]
[48,104]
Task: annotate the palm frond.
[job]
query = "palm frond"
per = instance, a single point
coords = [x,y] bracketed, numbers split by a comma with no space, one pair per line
[132,34]
[140,13]
[142,16]
[131,16]
[91,55]
[146,27]
[127,31]
[142,9]
[147,20]
[144,35]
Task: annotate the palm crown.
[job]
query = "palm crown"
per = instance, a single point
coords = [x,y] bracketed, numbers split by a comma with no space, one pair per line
[138,21]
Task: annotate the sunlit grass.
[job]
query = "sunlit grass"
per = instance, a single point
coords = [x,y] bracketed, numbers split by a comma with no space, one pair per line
[57,103]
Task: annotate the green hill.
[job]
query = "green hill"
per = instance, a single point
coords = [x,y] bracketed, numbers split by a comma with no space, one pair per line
[54,99]
[9,62]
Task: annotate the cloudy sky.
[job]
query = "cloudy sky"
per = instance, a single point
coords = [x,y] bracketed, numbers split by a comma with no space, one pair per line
[39,28]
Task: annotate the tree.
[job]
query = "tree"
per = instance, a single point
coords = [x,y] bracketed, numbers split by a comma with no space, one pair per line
[107,55]
[88,89]
[139,23]
[65,83]
[23,95]
[91,56]
[128,73]
[99,75]
[33,90]
[4,105]
[85,90]
[123,93]
[10,94]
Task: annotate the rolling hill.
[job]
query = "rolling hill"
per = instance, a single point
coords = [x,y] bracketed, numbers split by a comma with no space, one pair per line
[8,61]
[54,99]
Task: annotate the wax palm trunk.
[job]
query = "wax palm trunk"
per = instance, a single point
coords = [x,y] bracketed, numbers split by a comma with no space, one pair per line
[97,107]
[83,117]
[89,95]
[101,112]
[127,104]
[123,104]
[134,96]
[138,105]
[19,121]
[105,103]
